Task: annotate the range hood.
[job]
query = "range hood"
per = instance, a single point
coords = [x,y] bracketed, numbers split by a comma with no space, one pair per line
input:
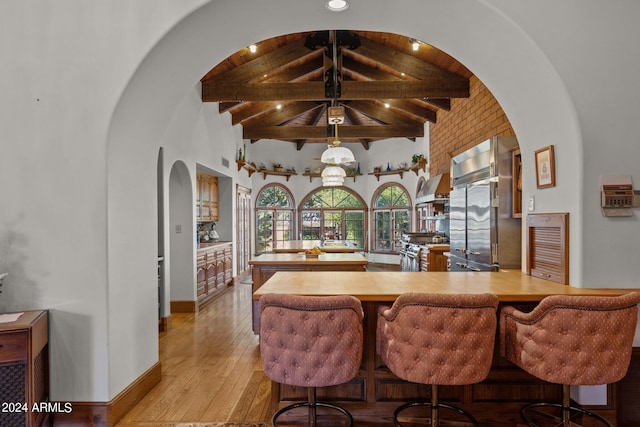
[435,190]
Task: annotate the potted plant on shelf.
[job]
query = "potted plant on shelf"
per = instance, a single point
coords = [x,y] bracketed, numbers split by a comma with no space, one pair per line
[417,158]
[277,167]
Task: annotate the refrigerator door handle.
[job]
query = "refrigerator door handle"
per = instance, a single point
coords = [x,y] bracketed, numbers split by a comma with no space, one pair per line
[494,253]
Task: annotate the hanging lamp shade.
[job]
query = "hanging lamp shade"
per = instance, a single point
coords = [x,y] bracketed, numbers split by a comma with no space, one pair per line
[333,176]
[335,154]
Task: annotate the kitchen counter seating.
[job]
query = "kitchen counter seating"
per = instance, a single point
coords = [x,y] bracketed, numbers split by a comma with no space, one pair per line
[310,342]
[376,392]
[266,265]
[570,340]
[437,339]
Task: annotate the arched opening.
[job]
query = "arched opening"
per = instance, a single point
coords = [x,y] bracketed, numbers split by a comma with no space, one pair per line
[181,234]
[145,118]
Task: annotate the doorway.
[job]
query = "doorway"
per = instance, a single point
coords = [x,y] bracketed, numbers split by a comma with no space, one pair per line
[243,233]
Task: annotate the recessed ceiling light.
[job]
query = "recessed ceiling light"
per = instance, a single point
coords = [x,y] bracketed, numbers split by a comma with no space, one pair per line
[253,48]
[337,5]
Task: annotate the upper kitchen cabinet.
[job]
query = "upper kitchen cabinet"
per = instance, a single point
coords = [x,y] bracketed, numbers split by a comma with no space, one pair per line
[207,201]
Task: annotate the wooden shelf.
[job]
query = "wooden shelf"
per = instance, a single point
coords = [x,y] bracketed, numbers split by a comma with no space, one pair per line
[383,173]
[422,164]
[249,167]
[285,174]
[317,175]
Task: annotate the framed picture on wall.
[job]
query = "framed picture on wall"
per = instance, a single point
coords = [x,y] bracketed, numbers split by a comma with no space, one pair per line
[545,167]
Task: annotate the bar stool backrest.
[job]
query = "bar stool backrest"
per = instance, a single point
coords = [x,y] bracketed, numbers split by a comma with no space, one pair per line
[443,339]
[572,340]
[310,341]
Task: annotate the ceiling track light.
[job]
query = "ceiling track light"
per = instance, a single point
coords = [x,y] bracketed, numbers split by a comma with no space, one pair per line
[337,5]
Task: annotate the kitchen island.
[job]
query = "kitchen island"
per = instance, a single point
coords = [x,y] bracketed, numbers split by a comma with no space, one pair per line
[329,246]
[376,392]
[266,265]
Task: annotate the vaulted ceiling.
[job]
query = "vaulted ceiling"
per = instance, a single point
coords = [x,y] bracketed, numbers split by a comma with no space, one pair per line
[283,90]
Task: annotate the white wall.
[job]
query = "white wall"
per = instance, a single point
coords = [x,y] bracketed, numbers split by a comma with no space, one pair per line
[94,88]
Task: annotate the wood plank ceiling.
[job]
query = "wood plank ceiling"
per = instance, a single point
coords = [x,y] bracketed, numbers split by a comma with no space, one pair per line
[283,90]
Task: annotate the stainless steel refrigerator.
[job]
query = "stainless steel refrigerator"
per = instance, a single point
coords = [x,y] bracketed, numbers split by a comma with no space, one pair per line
[484,235]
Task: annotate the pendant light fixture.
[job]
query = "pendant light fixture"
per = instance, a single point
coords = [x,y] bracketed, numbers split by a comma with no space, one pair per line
[335,154]
[333,176]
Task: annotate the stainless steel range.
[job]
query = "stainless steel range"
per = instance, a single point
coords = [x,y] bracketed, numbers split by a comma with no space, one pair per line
[410,253]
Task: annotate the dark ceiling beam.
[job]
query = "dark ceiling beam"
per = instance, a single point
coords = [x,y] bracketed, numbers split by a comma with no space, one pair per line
[386,115]
[346,133]
[314,91]
[358,71]
[306,91]
[396,62]
[274,117]
[283,58]
[405,89]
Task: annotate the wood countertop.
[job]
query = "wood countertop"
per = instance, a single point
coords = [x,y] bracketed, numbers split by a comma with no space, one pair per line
[325,246]
[289,258]
[209,245]
[508,285]
[436,246]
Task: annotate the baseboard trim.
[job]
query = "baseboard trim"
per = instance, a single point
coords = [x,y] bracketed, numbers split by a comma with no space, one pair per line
[183,306]
[107,414]
[164,324]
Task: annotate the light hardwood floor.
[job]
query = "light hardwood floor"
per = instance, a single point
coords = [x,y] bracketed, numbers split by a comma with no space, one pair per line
[211,367]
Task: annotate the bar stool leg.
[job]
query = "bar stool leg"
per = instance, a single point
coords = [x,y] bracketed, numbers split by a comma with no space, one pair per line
[434,406]
[311,396]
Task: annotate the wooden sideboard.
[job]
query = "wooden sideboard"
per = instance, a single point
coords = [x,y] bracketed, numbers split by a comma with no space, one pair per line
[24,370]
[214,270]
[376,392]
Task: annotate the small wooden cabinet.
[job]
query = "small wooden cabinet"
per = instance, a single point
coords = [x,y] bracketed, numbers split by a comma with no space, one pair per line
[214,270]
[24,369]
[432,257]
[207,197]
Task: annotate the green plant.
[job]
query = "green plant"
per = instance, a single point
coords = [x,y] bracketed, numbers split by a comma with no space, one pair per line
[416,157]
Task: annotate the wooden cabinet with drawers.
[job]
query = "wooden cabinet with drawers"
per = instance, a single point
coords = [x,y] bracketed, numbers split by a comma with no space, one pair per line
[24,369]
[214,270]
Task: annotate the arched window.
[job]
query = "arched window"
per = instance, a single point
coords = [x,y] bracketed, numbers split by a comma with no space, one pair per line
[391,217]
[274,217]
[334,213]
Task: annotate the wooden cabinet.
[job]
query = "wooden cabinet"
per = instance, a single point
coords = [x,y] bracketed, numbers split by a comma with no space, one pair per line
[207,197]
[214,270]
[24,369]
[432,257]
[228,264]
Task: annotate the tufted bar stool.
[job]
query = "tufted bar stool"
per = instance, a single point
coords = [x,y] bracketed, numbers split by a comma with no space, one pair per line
[311,342]
[438,339]
[570,340]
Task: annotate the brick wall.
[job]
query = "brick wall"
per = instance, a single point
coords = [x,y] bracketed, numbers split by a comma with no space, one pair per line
[470,121]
